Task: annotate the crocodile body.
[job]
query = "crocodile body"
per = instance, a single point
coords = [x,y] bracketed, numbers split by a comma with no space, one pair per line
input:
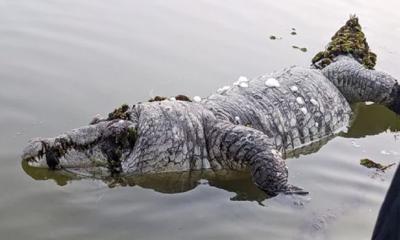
[248,126]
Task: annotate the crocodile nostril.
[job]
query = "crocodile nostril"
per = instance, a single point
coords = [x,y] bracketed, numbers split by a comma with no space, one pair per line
[52,160]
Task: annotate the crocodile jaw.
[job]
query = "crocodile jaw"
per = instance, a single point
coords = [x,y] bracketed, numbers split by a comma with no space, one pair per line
[99,147]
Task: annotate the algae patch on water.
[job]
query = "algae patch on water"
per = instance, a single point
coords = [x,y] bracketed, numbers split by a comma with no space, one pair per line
[303,49]
[368,163]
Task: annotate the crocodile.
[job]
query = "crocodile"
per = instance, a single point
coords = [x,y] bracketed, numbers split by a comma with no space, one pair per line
[250,126]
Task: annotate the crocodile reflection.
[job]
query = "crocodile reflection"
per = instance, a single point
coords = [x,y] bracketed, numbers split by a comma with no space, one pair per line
[239,183]
[371,120]
[368,120]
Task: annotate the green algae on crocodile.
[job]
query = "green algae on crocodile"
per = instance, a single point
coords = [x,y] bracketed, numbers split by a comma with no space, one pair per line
[119,113]
[348,40]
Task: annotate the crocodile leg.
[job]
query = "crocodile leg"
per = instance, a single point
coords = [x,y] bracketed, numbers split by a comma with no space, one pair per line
[234,146]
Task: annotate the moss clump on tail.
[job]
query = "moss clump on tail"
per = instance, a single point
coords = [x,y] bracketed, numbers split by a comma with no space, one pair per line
[348,40]
[120,113]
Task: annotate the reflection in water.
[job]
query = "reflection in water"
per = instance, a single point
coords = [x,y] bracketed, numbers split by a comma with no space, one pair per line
[174,182]
[371,120]
[368,120]
[45,174]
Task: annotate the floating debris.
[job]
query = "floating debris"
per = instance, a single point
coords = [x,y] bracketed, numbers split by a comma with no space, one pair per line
[272,82]
[293,33]
[368,163]
[303,49]
[304,110]
[272,37]
[355,144]
[369,103]
[384,152]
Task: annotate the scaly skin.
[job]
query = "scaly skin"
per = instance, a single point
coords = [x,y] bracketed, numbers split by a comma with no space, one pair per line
[241,128]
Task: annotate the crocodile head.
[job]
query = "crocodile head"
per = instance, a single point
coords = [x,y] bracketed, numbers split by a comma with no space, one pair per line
[98,148]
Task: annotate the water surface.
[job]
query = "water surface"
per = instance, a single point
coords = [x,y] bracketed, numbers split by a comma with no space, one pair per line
[62,62]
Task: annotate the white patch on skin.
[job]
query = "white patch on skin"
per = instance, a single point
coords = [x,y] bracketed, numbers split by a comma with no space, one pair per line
[241,79]
[197,99]
[237,120]
[368,103]
[313,101]
[304,110]
[276,153]
[293,122]
[223,89]
[272,82]
[300,100]
[294,89]
[243,85]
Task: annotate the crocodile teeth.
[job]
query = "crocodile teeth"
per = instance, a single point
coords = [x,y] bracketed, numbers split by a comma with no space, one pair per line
[34,164]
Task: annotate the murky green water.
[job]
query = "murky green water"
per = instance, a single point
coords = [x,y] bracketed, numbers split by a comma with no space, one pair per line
[62,62]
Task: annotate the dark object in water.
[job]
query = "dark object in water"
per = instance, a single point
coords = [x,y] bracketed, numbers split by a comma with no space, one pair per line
[388,224]
[303,49]
[371,164]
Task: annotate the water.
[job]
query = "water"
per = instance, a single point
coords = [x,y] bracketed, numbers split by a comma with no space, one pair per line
[62,62]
